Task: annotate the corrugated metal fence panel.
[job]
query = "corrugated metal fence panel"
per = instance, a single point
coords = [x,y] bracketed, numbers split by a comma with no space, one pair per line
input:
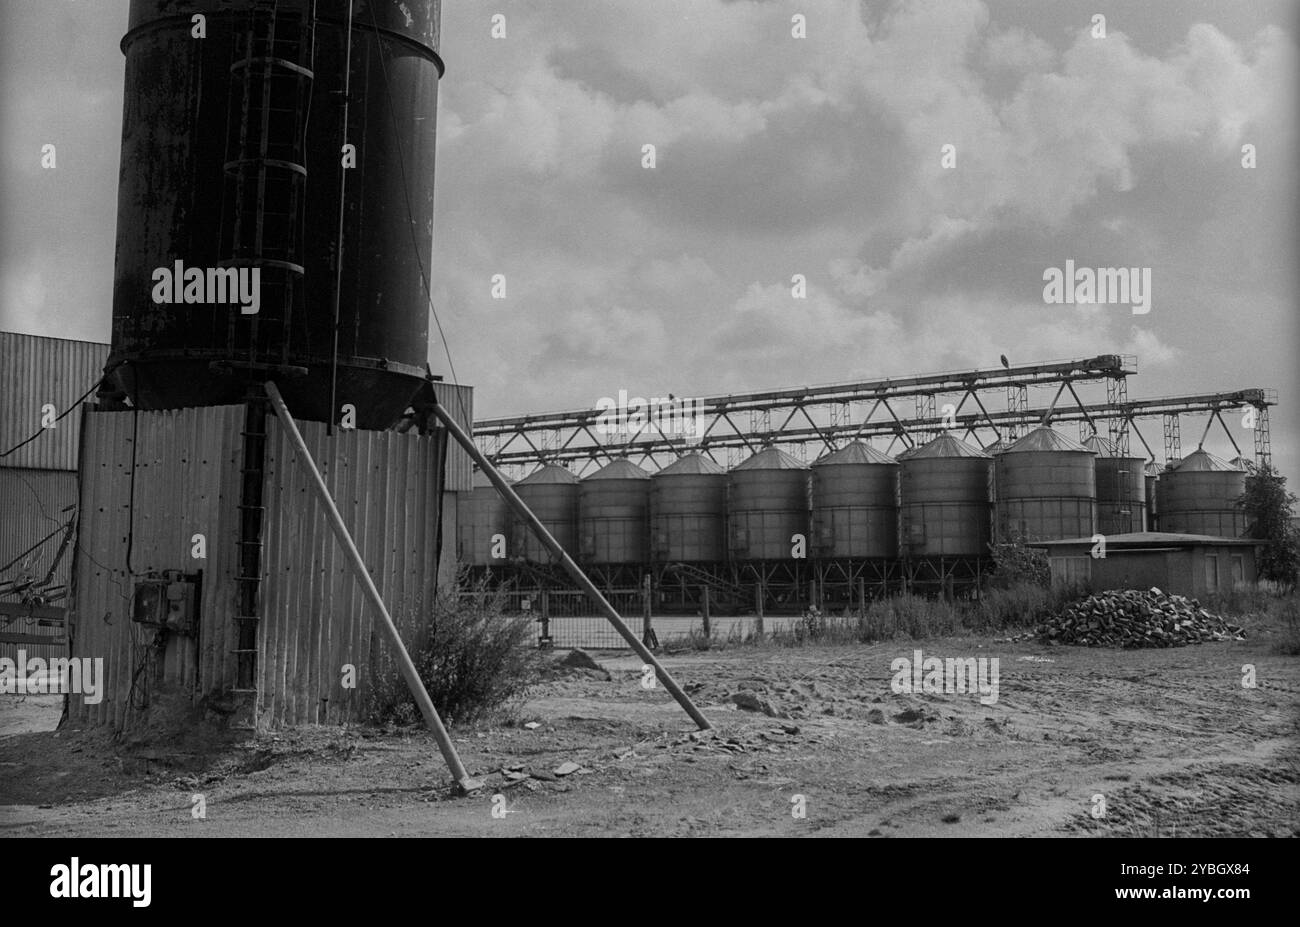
[34,372]
[32,504]
[459,401]
[315,619]
[187,476]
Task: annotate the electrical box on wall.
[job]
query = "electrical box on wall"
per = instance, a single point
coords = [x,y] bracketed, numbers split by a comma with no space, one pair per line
[167,601]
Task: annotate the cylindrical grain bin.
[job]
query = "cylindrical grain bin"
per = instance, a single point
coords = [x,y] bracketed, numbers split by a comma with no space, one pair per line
[944,500]
[855,504]
[1151,477]
[483,525]
[767,505]
[1046,488]
[551,492]
[1199,496]
[613,517]
[688,511]
[1121,489]
[993,450]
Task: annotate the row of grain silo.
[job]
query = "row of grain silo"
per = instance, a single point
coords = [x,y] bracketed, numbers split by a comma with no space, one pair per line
[945,499]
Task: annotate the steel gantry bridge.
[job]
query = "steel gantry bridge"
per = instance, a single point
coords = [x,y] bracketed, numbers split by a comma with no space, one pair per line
[985,405]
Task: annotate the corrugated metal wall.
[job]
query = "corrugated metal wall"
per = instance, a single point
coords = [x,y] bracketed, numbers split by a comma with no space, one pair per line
[315,620]
[451,514]
[186,483]
[32,504]
[459,401]
[36,371]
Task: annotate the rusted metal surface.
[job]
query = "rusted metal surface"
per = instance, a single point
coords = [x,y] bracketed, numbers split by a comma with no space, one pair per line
[186,474]
[315,618]
[36,375]
[192,172]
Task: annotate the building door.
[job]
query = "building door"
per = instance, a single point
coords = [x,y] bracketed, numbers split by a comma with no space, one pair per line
[1211,572]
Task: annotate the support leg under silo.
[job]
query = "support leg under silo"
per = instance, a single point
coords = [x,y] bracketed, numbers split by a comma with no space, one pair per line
[575,572]
[344,538]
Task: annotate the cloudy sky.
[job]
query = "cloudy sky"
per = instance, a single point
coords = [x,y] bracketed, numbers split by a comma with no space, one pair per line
[778,156]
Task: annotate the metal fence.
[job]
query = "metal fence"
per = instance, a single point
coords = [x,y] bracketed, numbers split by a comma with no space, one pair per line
[571,619]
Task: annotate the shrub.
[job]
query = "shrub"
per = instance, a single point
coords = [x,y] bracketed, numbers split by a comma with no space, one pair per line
[1016,564]
[472,658]
[1269,508]
[1288,612]
[1018,605]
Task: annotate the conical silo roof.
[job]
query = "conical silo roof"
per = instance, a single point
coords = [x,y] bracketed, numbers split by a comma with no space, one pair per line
[858,452]
[997,447]
[1204,461]
[1101,447]
[1152,468]
[693,464]
[481,479]
[771,459]
[1043,438]
[551,473]
[621,469]
[945,446]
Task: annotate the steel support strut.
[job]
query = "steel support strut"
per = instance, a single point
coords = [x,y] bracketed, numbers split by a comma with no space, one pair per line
[575,572]
[344,538]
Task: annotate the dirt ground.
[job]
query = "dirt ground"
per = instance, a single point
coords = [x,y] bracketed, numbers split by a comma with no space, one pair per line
[1169,738]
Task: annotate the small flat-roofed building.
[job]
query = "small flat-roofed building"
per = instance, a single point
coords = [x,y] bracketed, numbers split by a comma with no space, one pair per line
[1182,564]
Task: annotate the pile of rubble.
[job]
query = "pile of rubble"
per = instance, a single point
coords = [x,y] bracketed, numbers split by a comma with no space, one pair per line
[1134,618]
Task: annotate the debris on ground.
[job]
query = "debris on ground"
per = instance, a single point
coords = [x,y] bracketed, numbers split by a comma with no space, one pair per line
[748,701]
[580,662]
[1135,618]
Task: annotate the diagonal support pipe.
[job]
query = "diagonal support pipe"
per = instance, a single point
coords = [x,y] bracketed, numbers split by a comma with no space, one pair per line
[344,538]
[574,571]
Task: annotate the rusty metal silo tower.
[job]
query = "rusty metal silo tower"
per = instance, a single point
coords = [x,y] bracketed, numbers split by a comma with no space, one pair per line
[268,136]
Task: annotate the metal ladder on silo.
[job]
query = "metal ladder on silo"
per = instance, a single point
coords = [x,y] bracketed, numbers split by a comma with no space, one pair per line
[265,166]
[259,179]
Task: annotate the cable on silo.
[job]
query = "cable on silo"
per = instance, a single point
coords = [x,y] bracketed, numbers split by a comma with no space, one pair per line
[410,222]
